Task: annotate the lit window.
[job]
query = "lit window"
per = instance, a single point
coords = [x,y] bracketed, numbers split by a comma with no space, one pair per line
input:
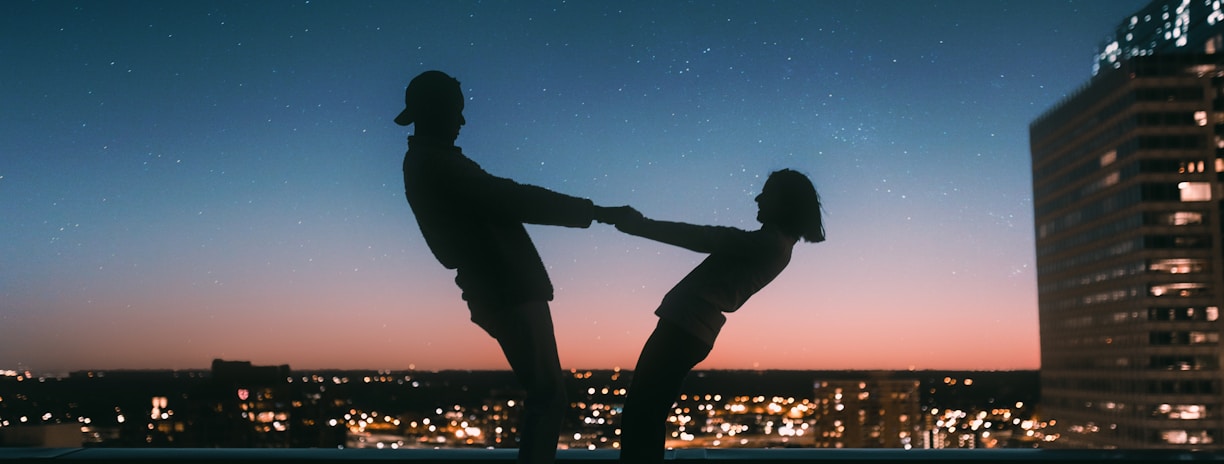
[1177,265]
[1183,437]
[1180,289]
[1109,158]
[1183,218]
[1199,338]
[1174,437]
[1195,191]
[1182,411]
[1192,167]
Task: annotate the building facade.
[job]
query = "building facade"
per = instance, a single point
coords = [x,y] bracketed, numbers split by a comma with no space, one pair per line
[1127,206]
[1130,264]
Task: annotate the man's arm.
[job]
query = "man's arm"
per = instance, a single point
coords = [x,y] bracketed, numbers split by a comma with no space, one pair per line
[520,202]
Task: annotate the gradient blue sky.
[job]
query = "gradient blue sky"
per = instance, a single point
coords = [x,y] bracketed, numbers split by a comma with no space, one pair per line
[183,181]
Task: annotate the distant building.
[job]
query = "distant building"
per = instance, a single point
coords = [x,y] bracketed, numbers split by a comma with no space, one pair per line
[1130,261]
[247,406]
[875,413]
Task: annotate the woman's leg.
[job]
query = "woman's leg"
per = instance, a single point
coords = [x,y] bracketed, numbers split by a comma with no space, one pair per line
[668,356]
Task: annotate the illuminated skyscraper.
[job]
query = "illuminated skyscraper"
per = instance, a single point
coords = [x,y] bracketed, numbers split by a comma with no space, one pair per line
[1130,263]
[1164,27]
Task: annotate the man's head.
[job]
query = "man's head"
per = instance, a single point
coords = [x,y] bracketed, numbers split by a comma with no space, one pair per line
[433,102]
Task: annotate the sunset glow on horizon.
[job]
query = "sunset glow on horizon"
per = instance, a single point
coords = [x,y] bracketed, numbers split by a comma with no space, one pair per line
[185,181]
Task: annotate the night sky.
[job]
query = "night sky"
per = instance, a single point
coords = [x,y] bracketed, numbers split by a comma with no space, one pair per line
[184,181]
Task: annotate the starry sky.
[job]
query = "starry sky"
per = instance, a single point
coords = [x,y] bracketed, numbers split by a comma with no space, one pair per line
[184,181]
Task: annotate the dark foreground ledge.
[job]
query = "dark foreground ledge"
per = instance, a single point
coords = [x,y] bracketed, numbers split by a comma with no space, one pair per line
[503,456]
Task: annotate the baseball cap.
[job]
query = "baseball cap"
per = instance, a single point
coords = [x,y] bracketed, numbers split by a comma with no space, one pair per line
[427,91]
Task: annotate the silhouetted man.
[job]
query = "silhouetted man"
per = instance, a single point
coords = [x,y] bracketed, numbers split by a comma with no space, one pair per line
[473,223]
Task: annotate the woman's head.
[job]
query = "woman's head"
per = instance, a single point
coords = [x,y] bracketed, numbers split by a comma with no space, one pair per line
[789,201]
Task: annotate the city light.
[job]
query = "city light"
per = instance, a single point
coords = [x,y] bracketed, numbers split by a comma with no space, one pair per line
[273,412]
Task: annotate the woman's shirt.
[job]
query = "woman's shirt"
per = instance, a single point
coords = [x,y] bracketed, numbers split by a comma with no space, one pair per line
[740,263]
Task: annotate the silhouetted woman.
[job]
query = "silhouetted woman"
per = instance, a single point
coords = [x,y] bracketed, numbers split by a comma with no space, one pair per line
[739,264]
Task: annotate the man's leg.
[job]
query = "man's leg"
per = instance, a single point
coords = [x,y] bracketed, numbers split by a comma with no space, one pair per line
[666,359]
[525,333]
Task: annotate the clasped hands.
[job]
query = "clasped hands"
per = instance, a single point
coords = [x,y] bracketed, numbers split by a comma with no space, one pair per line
[617,215]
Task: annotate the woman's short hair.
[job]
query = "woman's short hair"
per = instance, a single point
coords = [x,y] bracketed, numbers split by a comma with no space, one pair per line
[800,205]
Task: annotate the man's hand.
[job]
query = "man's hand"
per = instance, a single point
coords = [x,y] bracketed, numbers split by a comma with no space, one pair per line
[617,215]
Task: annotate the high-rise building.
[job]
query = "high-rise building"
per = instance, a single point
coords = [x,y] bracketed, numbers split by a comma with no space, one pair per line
[1164,27]
[1130,262]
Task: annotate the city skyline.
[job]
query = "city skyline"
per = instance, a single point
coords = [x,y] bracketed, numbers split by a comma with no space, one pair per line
[184,182]
[362,409]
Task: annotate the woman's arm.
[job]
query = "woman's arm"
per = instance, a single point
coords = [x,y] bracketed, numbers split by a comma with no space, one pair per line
[699,238]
